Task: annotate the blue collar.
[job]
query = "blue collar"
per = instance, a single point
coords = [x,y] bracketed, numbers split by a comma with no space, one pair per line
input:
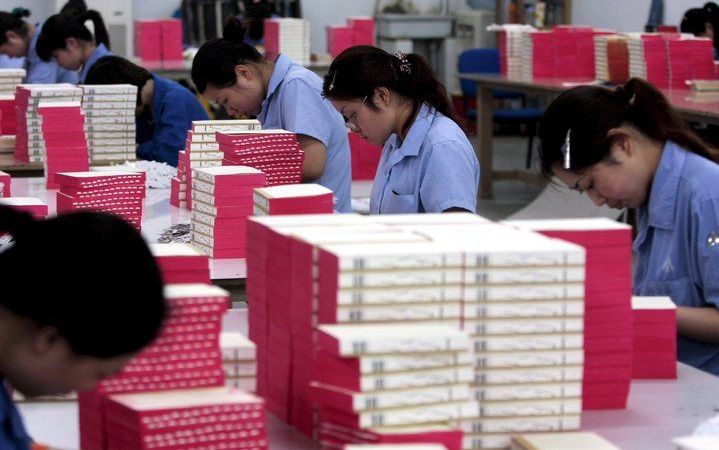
[415,136]
[282,67]
[99,52]
[663,196]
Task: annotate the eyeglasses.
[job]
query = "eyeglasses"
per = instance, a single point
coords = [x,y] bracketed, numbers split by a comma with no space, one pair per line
[351,121]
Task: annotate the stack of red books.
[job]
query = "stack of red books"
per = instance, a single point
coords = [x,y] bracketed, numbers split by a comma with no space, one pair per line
[148,40]
[611,58]
[365,157]
[36,207]
[8,117]
[648,59]
[5,181]
[186,355]
[63,130]
[655,338]
[339,38]
[288,36]
[221,203]
[409,391]
[574,57]
[293,199]
[171,39]
[110,122]
[539,54]
[202,150]
[9,79]
[29,142]
[240,361]
[119,193]
[202,419]
[275,152]
[180,264]
[607,313]
[363,30]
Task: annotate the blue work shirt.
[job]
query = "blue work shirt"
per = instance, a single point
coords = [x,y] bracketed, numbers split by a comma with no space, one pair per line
[45,72]
[294,103]
[99,52]
[12,430]
[678,242]
[432,170]
[174,108]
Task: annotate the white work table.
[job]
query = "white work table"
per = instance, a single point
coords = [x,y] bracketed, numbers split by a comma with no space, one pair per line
[658,410]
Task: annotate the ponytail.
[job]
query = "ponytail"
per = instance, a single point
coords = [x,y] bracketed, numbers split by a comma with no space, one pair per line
[590,112]
[58,28]
[110,299]
[13,21]
[215,62]
[357,71]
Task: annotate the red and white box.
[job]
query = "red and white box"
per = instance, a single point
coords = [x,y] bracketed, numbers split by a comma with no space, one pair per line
[221,203]
[275,152]
[186,419]
[181,263]
[649,59]
[116,192]
[36,207]
[655,338]
[5,183]
[63,126]
[608,313]
[293,199]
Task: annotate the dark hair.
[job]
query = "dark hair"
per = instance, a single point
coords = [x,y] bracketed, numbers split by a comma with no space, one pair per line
[254,21]
[74,8]
[13,21]
[712,10]
[591,111]
[357,71]
[60,27]
[694,21]
[215,62]
[116,70]
[90,275]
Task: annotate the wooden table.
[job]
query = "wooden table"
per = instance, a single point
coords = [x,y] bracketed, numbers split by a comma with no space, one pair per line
[696,108]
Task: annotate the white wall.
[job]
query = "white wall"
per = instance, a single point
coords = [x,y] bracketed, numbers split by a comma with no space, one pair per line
[144,9]
[626,15]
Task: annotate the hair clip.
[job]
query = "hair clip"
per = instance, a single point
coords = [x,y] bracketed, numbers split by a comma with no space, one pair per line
[332,84]
[566,150]
[403,62]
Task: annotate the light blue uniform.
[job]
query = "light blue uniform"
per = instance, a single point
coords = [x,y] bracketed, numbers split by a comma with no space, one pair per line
[7,62]
[174,108]
[99,52]
[294,103]
[433,170]
[678,242]
[42,72]
[12,430]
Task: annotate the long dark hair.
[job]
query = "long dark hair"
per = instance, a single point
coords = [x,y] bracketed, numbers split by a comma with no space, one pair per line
[215,62]
[357,71]
[694,21]
[89,275]
[712,10]
[116,70]
[13,21]
[60,27]
[591,111]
